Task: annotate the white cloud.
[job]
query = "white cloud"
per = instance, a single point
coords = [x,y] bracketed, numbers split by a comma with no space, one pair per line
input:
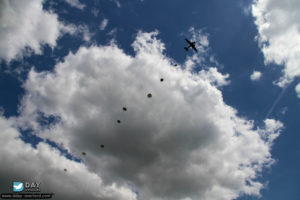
[76,4]
[25,24]
[272,126]
[279,37]
[103,24]
[297,89]
[22,162]
[86,34]
[183,143]
[255,76]
[79,31]
[214,77]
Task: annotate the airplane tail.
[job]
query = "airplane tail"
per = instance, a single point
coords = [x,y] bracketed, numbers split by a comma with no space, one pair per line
[186,48]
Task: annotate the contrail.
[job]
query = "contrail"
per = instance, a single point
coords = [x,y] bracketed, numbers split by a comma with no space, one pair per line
[276,101]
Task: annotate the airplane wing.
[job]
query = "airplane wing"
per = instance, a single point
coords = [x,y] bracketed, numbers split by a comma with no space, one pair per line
[188,41]
[193,46]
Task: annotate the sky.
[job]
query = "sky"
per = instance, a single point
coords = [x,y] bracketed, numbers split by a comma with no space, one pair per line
[220,123]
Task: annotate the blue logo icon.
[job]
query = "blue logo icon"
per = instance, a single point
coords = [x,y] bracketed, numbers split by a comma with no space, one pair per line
[18,186]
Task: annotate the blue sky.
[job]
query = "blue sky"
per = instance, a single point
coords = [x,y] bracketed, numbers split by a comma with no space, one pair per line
[211,130]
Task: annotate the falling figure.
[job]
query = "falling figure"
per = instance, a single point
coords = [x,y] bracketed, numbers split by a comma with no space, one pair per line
[124,108]
[149,95]
[65,170]
[102,145]
[83,153]
[119,121]
[161,80]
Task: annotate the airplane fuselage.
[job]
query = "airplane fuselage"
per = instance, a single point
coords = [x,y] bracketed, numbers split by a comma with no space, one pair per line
[191,45]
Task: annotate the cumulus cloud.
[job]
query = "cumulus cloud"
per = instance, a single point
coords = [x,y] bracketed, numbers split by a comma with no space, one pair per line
[255,76]
[183,143]
[25,24]
[76,4]
[278,35]
[214,77]
[103,24]
[81,31]
[22,162]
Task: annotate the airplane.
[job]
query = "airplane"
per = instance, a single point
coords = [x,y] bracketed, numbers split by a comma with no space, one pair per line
[191,44]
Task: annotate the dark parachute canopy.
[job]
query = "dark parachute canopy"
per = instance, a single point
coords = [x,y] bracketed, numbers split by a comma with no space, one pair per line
[118,121]
[161,80]
[124,108]
[83,153]
[102,145]
[149,95]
